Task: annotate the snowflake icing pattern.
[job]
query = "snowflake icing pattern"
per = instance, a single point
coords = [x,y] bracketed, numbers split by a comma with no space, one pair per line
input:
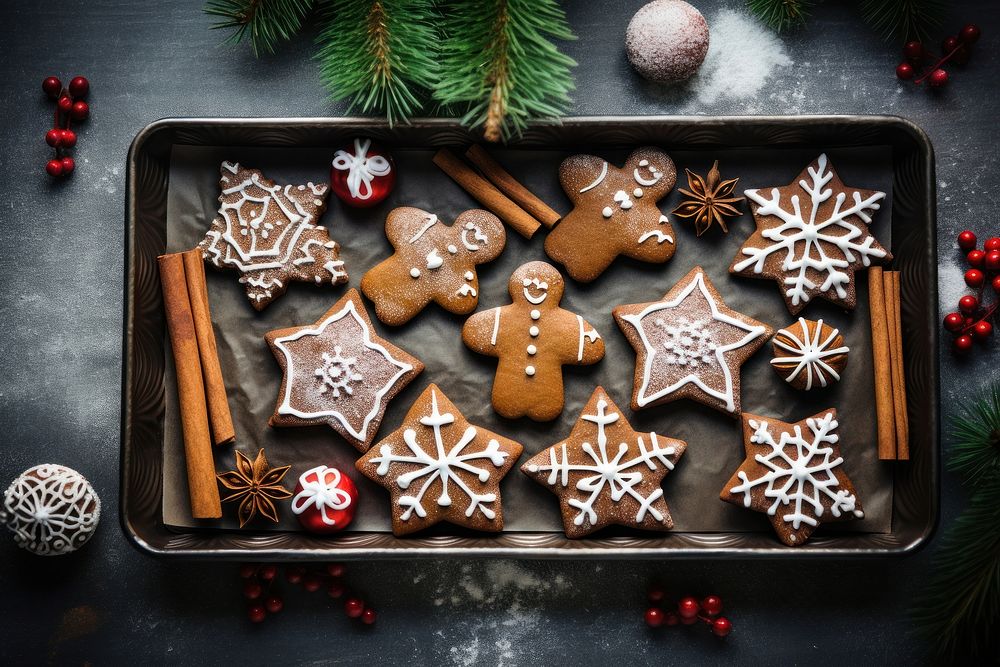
[799,481]
[337,373]
[818,241]
[688,343]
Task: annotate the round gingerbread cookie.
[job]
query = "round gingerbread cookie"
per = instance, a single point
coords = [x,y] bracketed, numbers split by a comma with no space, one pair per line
[809,354]
[667,41]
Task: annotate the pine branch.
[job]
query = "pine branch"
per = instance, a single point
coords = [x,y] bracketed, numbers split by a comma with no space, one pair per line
[263,22]
[380,54]
[781,14]
[903,19]
[498,63]
[976,432]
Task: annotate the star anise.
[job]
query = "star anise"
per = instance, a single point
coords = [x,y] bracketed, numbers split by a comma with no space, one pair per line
[256,485]
[708,200]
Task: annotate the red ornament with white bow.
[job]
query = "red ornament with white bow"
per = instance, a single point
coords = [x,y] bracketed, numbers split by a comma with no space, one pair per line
[325,500]
[362,175]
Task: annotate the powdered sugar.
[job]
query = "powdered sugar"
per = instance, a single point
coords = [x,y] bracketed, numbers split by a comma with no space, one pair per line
[667,40]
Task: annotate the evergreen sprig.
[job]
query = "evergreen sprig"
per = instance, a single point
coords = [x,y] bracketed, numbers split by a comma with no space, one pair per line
[781,14]
[380,54]
[498,62]
[263,22]
[903,19]
[976,433]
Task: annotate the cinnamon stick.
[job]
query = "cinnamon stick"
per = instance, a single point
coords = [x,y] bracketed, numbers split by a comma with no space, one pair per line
[880,357]
[898,374]
[483,192]
[202,487]
[219,417]
[510,186]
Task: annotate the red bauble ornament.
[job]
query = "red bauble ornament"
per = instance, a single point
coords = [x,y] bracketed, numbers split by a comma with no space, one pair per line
[975,258]
[963,343]
[65,104]
[992,261]
[721,627]
[991,244]
[256,613]
[325,500]
[54,168]
[654,617]
[79,87]
[354,607]
[969,34]
[368,616]
[953,321]
[52,86]
[712,605]
[68,139]
[274,604]
[967,240]
[938,78]
[904,71]
[974,278]
[67,165]
[80,110]
[914,51]
[983,330]
[54,137]
[968,304]
[362,175]
[688,608]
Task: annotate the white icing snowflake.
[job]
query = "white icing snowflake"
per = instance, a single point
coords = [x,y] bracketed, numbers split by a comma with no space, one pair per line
[805,240]
[809,353]
[688,343]
[799,481]
[337,372]
[609,472]
[441,463]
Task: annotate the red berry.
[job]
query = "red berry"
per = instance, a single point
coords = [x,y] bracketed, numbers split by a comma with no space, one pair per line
[976,258]
[712,605]
[368,617]
[914,51]
[969,34]
[80,110]
[996,284]
[336,569]
[974,278]
[688,607]
[294,575]
[671,618]
[247,570]
[992,261]
[336,589]
[274,604]
[949,44]
[54,137]
[656,594]
[51,87]
[937,79]
[992,243]
[721,627]
[252,590]
[963,344]
[953,321]
[54,167]
[967,240]
[312,583]
[79,87]
[654,617]
[968,304]
[983,330]
[68,165]
[68,139]
[354,608]
[268,572]
[65,104]
[904,71]
[256,613]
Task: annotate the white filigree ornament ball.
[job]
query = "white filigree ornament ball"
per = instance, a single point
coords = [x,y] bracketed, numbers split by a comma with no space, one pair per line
[51,509]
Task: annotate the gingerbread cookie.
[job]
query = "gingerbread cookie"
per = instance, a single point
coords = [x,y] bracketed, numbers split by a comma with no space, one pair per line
[690,345]
[439,467]
[812,235]
[793,473]
[338,371]
[533,338]
[614,213]
[607,474]
[808,354]
[432,262]
[269,234]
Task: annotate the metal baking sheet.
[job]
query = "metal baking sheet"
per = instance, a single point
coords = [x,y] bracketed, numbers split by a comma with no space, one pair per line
[533,527]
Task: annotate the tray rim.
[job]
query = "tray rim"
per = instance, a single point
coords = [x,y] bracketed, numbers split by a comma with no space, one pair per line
[425,550]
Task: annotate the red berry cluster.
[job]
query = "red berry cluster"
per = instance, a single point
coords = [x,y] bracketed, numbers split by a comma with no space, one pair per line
[956,49]
[69,107]
[259,580]
[974,320]
[689,611]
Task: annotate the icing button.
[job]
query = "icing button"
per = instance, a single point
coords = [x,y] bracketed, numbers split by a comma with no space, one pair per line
[532,349]
[533,331]
[535,314]
[529,370]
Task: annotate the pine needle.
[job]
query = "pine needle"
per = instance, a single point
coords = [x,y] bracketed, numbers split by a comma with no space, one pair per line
[263,22]
[903,19]
[976,433]
[781,14]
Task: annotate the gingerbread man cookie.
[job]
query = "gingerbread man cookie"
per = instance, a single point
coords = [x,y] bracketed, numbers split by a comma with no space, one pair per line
[614,212]
[432,262]
[533,338]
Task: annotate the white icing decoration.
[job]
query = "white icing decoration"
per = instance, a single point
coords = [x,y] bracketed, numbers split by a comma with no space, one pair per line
[609,472]
[337,373]
[415,272]
[788,475]
[688,342]
[48,509]
[539,285]
[597,181]
[591,335]
[802,240]
[658,235]
[231,167]
[361,169]
[469,275]
[535,313]
[402,368]
[304,248]
[647,181]
[753,332]
[441,463]
[434,260]
[533,331]
[637,193]
[496,326]
[529,370]
[321,492]
[477,235]
[607,212]
[431,220]
[452,248]
[532,350]
[334,267]
[466,290]
[643,163]
[621,197]
[809,353]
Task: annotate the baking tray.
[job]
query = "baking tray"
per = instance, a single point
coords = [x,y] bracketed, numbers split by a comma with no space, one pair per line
[910,511]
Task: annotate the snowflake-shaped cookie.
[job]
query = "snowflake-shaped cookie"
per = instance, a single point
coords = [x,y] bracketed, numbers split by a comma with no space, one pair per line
[690,345]
[607,474]
[793,473]
[439,467]
[812,235]
[339,372]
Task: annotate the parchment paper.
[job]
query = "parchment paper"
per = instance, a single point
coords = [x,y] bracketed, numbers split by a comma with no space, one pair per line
[715,444]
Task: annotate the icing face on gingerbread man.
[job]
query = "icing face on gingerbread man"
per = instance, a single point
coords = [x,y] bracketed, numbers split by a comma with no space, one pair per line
[614,212]
[432,262]
[533,338]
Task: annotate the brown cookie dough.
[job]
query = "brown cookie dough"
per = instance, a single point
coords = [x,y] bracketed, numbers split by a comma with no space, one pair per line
[793,473]
[809,354]
[432,262]
[690,345]
[439,467]
[614,213]
[607,474]
[533,338]
[339,372]
[268,233]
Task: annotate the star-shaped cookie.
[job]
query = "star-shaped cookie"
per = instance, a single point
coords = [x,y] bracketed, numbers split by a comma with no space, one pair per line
[793,473]
[439,467]
[690,345]
[338,371]
[268,233]
[607,474]
[812,235]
